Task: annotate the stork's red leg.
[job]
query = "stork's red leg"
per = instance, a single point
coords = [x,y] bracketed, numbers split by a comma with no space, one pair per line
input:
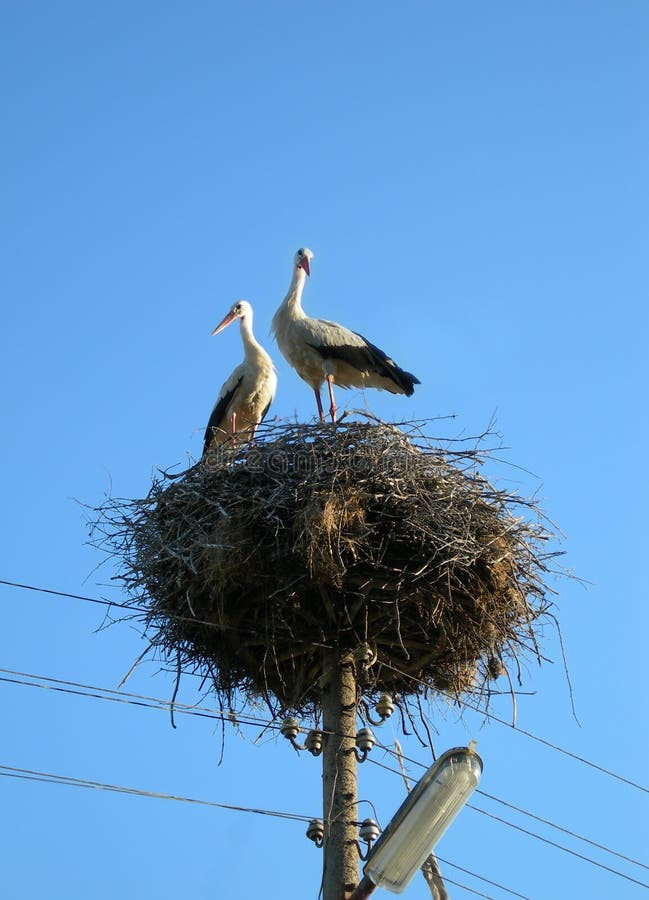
[233,425]
[333,407]
[316,391]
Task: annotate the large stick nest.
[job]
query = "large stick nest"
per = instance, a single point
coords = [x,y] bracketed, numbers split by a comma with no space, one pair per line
[358,536]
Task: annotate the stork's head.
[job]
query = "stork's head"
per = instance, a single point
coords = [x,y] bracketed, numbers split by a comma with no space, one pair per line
[240,310]
[303,259]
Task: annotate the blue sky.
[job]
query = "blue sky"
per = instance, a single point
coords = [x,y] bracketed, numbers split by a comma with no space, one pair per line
[472,178]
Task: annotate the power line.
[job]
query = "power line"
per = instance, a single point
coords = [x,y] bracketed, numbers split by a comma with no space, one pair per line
[129,698]
[481,877]
[569,753]
[558,846]
[466,887]
[93,692]
[79,689]
[70,781]
[102,602]
[156,703]
[530,735]
[466,703]
[100,693]
[533,834]
[573,834]
[42,590]
[525,812]
[31,775]
[487,714]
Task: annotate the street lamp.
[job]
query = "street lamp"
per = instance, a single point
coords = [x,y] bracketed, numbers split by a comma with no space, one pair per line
[420,821]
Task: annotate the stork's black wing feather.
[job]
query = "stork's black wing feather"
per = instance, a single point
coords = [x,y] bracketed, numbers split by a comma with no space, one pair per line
[370,358]
[219,411]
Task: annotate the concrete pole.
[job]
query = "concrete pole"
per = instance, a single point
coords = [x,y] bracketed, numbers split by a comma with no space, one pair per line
[339,776]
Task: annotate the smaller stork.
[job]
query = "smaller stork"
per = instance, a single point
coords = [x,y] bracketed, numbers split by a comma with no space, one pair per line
[246,396]
[321,351]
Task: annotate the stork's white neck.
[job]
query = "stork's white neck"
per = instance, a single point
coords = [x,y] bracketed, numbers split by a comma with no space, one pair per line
[294,297]
[251,347]
[290,309]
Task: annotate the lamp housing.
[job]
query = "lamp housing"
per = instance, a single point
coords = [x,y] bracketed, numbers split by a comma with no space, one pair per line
[422,819]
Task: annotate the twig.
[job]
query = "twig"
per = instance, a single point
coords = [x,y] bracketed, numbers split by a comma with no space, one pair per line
[176,686]
[152,643]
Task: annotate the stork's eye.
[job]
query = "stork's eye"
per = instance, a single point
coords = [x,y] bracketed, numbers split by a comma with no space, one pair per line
[300,252]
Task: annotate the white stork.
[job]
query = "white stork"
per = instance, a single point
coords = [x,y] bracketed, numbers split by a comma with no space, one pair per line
[246,396]
[322,351]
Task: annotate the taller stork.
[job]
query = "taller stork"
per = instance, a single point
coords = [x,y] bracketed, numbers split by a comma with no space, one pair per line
[245,398]
[322,351]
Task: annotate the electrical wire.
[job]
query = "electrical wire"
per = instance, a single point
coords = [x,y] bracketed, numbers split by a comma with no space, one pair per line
[31,775]
[140,700]
[530,735]
[93,692]
[42,590]
[496,884]
[573,834]
[525,812]
[99,693]
[533,834]
[70,781]
[486,713]
[558,846]
[102,602]
[466,887]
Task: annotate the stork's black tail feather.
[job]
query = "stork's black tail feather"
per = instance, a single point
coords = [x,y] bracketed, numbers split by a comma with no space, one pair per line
[383,365]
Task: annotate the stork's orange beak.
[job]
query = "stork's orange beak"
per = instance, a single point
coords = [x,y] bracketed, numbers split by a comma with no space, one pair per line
[224,324]
[304,264]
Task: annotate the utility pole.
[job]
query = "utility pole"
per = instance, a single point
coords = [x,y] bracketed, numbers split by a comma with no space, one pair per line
[339,775]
